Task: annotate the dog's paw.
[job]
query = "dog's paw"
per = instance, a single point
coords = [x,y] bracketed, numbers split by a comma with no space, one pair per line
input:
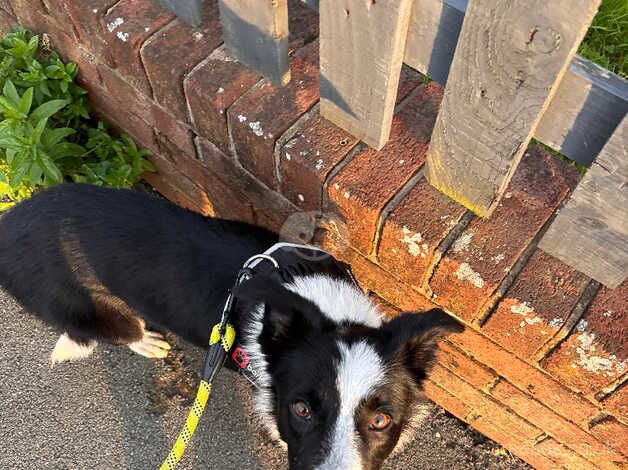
[152,345]
[67,349]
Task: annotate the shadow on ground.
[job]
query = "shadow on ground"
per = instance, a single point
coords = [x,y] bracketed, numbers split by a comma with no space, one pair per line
[117,410]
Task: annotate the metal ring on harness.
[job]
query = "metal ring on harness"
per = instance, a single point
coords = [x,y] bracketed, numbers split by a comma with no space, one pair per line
[260,256]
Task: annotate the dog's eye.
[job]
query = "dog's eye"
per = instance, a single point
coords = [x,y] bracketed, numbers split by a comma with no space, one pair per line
[301,409]
[380,422]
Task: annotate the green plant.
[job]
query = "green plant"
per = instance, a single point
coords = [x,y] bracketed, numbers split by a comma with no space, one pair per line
[46,133]
[606,42]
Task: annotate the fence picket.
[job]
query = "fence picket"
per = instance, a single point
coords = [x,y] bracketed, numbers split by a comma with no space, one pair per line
[362,44]
[508,62]
[256,33]
[591,232]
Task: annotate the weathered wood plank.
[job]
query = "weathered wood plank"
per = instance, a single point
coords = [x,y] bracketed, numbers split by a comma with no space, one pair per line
[589,104]
[508,62]
[256,33]
[591,232]
[189,11]
[600,98]
[361,45]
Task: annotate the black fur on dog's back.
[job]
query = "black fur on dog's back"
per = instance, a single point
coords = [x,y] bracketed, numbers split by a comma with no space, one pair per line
[171,266]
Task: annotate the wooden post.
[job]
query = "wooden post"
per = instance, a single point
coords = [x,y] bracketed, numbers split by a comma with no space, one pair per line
[362,44]
[591,231]
[508,62]
[256,33]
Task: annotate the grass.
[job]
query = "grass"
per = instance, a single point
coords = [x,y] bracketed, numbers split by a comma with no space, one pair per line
[606,42]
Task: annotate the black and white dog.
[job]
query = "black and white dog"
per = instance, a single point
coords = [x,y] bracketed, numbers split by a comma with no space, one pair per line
[340,386]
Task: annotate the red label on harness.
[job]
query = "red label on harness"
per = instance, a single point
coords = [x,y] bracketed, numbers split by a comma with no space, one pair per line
[240,357]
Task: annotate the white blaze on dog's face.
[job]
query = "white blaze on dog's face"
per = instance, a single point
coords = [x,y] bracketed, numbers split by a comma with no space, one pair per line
[342,388]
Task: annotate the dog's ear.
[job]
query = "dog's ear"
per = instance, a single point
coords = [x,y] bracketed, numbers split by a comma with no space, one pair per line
[411,339]
[288,316]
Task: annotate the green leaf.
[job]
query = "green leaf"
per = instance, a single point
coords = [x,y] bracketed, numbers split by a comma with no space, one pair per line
[21,164]
[39,130]
[52,137]
[51,171]
[10,92]
[34,176]
[26,101]
[9,108]
[66,149]
[47,109]
[148,166]
[10,142]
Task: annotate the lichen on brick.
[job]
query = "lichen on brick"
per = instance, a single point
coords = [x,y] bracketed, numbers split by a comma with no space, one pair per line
[462,243]
[465,273]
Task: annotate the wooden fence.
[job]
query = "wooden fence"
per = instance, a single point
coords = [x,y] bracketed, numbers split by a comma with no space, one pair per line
[510,72]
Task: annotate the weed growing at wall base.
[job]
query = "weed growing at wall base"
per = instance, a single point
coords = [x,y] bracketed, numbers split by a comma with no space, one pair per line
[47,135]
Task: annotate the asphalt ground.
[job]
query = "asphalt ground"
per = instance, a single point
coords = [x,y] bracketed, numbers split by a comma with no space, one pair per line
[118,410]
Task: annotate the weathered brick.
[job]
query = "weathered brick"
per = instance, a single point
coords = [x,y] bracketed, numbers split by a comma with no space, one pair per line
[210,89]
[617,404]
[463,366]
[409,80]
[127,97]
[126,121]
[489,417]
[166,187]
[127,25]
[302,23]
[563,430]
[385,307]
[180,186]
[88,75]
[414,230]
[261,116]
[33,15]
[364,186]
[173,51]
[595,354]
[217,82]
[232,175]
[373,278]
[227,201]
[526,377]
[612,433]
[477,262]
[5,5]
[564,457]
[86,18]
[536,305]
[306,160]
[7,22]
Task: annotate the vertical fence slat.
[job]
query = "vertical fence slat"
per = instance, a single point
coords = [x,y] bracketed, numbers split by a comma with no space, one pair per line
[256,33]
[508,62]
[591,231]
[362,44]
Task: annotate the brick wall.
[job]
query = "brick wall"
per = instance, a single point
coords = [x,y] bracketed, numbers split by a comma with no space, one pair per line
[541,365]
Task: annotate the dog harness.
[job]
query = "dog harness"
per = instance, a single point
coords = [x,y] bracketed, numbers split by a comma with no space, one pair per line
[283,261]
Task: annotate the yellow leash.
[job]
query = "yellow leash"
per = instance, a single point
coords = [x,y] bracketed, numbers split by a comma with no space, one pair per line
[222,340]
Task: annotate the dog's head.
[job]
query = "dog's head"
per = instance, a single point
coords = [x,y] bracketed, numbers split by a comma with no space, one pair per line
[341,386]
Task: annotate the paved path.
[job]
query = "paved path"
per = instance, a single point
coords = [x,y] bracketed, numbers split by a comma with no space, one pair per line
[117,410]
